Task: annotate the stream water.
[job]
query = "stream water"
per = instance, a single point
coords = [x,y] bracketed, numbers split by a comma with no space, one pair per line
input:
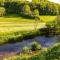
[44,41]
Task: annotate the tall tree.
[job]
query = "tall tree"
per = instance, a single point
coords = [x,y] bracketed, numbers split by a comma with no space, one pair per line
[37,18]
[2,11]
[26,9]
[38,1]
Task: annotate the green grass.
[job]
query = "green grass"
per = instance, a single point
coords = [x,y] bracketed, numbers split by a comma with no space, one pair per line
[48,18]
[13,27]
[18,36]
[19,23]
[21,19]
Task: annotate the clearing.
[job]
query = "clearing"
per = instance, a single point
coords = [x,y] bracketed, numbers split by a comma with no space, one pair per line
[21,24]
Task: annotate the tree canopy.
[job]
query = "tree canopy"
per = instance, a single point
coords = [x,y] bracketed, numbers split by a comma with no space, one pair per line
[44,7]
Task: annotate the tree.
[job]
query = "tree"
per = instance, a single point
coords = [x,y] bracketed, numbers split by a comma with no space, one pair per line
[36,13]
[54,52]
[35,46]
[13,7]
[36,16]
[26,9]
[52,9]
[55,9]
[2,11]
[50,29]
[35,1]
[39,1]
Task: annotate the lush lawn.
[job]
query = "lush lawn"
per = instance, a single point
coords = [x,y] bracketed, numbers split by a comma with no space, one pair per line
[48,18]
[19,23]
[21,19]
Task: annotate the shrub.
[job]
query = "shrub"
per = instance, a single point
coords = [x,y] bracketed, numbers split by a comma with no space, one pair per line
[54,52]
[50,30]
[26,49]
[2,11]
[35,46]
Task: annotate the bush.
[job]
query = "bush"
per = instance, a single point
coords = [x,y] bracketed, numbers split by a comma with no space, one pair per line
[54,52]
[26,49]
[35,46]
[50,30]
[2,11]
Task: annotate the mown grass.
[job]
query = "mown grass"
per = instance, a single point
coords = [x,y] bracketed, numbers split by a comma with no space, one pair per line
[21,19]
[18,23]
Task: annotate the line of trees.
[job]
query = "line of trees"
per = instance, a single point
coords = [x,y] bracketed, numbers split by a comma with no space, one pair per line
[27,8]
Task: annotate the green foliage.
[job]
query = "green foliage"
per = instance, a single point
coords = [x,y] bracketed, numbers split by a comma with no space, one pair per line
[13,7]
[52,9]
[39,1]
[27,9]
[35,46]
[18,36]
[36,16]
[58,20]
[2,11]
[58,25]
[44,7]
[50,29]
[54,52]
[26,49]
[36,13]
[35,1]
[27,13]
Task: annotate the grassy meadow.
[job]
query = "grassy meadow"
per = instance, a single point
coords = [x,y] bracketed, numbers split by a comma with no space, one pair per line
[14,27]
[19,23]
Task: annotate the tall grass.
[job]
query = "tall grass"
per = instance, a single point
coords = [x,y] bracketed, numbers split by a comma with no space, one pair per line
[13,37]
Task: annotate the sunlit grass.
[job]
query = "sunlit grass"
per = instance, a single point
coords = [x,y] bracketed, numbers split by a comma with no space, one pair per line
[19,23]
[18,19]
[48,18]
[13,27]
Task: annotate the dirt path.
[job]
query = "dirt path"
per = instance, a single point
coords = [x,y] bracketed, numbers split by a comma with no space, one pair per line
[6,54]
